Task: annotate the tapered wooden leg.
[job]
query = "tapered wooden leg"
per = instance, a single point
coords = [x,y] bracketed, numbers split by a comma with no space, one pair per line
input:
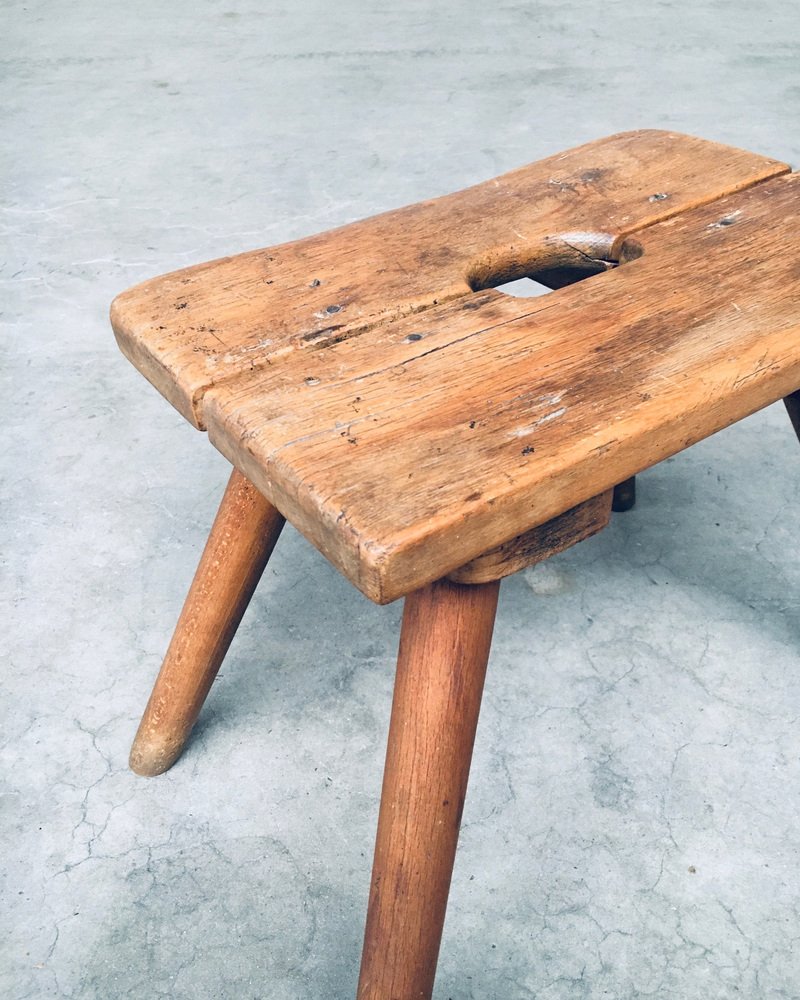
[624,496]
[793,408]
[242,538]
[444,646]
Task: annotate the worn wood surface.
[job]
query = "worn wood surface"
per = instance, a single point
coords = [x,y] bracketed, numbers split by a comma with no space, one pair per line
[241,541]
[539,543]
[444,648]
[204,325]
[404,455]
[404,448]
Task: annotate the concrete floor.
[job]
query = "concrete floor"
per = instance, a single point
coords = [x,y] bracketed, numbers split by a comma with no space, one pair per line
[632,825]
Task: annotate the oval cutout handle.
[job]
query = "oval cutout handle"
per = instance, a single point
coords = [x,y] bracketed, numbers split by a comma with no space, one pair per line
[558,260]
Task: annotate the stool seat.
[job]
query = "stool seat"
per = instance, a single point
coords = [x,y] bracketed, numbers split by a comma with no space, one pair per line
[406,420]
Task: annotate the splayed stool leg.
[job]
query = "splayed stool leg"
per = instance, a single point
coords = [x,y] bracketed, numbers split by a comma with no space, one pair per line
[242,538]
[441,665]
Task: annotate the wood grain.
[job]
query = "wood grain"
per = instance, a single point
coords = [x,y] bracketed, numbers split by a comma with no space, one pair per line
[241,541]
[539,543]
[441,665]
[207,324]
[407,454]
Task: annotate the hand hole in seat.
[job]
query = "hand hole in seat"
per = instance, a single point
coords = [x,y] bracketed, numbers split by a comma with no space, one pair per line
[556,261]
[523,288]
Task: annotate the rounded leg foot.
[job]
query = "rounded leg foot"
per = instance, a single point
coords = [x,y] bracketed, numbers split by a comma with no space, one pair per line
[151,757]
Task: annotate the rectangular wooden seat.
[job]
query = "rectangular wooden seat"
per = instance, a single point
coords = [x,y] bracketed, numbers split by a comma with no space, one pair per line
[407,417]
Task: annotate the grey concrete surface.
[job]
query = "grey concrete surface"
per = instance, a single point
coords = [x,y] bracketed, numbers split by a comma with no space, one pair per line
[632,825]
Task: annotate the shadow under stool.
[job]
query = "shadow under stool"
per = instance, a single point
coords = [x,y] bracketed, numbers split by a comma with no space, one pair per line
[431,435]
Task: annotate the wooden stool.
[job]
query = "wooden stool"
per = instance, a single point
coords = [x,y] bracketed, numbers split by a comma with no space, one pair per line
[431,435]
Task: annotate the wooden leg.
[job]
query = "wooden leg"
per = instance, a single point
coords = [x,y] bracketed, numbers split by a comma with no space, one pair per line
[793,408]
[624,496]
[242,538]
[444,647]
